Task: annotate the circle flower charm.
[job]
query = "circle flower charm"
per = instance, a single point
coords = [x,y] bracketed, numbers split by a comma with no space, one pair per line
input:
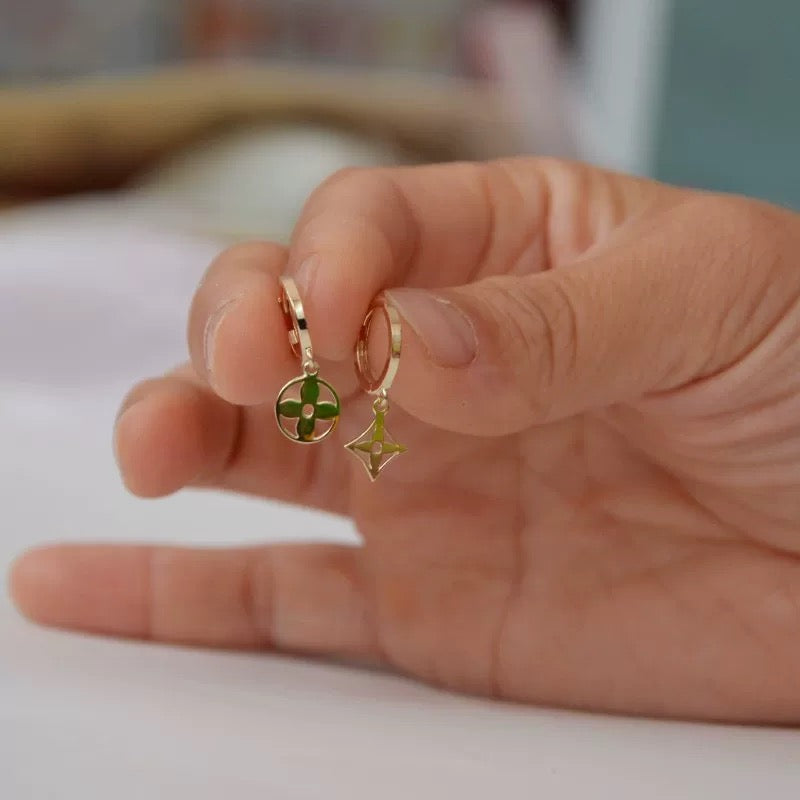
[307,416]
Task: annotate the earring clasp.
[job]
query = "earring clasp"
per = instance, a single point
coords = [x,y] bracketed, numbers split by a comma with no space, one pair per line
[369,383]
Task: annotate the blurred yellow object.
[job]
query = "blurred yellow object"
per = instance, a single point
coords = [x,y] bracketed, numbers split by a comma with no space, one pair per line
[97,134]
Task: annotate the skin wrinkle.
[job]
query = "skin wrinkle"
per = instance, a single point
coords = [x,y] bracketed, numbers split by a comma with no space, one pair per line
[369,590]
[754,299]
[756,294]
[616,205]
[680,484]
[248,598]
[740,448]
[234,453]
[151,601]
[571,339]
[741,532]
[271,598]
[735,295]
[498,646]
[677,482]
[413,228]
[510,356]
[488,240]
[534,236]
[546,230]
[544,358]
[565,204]
[243,437]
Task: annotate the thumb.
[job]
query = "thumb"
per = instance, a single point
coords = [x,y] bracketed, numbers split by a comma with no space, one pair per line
[669,304]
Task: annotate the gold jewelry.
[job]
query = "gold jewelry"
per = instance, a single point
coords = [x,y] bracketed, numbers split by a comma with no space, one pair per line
[375,448]
[298,412]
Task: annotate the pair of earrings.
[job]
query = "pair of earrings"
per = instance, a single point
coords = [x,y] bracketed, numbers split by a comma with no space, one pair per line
[307,408]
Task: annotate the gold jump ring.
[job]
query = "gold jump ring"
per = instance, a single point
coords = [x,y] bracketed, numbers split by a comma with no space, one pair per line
[294,318]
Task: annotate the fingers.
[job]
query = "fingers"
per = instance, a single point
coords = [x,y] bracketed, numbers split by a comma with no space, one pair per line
[237,338]
[307,598]
[442,225]
[171,432]
[662,306]
[366,230]
[175,431]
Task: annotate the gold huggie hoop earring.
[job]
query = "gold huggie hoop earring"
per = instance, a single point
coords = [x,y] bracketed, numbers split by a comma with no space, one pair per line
[375,448]
[298,413]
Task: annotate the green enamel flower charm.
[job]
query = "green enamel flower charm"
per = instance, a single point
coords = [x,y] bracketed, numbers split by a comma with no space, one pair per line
[298,418]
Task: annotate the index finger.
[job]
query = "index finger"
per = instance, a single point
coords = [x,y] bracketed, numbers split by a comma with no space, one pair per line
[431,226]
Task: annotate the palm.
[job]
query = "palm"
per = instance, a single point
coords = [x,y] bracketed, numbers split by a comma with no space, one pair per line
[575,552]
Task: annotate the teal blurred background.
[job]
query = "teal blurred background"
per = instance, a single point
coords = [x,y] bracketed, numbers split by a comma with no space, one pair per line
[729,117]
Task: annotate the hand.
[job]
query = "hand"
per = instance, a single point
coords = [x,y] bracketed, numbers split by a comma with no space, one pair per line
[600,395]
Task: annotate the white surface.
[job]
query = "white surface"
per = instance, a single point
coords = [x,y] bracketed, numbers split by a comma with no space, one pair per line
[623,52]
[254,181]
[84,313]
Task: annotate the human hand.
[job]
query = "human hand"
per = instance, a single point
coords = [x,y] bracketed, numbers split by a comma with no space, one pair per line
[600,503]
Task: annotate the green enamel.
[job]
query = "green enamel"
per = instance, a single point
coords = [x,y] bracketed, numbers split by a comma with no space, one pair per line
[379,426]
[309,391]
[326,410]
[305,428]
[290,408]
[388,447]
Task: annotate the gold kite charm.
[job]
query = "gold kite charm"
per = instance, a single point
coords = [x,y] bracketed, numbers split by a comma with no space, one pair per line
[375,448]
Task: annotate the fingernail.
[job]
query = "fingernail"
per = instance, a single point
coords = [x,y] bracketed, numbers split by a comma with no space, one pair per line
[209,336]
[445,330]
[115,438]
[305,274]
[127,406]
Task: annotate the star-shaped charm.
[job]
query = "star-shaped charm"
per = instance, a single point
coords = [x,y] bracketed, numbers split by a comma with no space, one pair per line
[375,448]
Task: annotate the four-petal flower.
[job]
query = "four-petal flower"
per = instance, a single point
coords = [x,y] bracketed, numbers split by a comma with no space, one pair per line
[308,409]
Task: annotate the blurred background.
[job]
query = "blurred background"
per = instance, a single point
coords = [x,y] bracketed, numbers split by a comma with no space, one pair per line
[138,138]
[100,92]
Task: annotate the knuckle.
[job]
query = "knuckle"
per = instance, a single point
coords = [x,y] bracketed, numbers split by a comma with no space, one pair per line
[753,263]
[245,254]
[355,189]
[344,182]
[362,203]
[744,243]
[138,392]
[342,176]
[740,225]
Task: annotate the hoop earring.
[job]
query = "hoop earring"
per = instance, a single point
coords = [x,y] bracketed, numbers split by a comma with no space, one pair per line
[375,447]
[301,404]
